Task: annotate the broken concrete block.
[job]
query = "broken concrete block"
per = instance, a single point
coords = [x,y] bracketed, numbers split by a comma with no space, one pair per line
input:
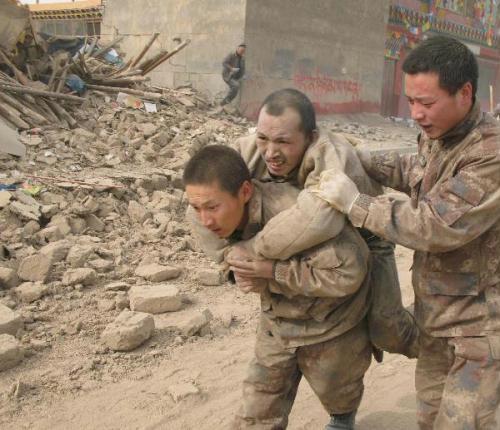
[78,225]
[137,212]
[10,321]
[155,299]
[30,228]
[35,268]
[24,211]
[78,255]
[56,251]
[8,278]
[94,223]
[30,291]
[49,234]
[5,197]
[101,265]
[196,323]
[83,275]
[128,331]
[210,277]
[11,352]
[62,222]
[157,273]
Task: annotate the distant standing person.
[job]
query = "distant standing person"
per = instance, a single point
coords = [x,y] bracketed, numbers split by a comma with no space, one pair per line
[233,71]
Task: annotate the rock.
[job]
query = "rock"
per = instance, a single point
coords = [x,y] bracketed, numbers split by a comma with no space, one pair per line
[10,352]
[35,268]
[5,197]
[83,275]
[197,322]
[183,390]
[49,234]
[10,321]
[94,223]
[24,211]
[101,265]
[30,291]
[157,273]
[128,331]
[137,212]
[56,251]
[210,277]
[8,278]
[155,299]
[78,225]
[30,228]
[122,302]
[78,255]
[117,286]
[62,223]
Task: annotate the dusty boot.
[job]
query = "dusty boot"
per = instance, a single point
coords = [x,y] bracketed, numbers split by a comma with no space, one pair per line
[378,354]
[342,421]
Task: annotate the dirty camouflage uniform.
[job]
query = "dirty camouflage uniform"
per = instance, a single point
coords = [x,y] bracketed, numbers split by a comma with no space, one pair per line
[312,322]
[311,222]
[452,221]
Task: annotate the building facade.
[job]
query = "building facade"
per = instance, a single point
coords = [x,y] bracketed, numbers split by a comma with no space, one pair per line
[474,22]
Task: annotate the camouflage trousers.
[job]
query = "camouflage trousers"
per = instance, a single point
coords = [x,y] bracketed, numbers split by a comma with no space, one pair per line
[334,370]
[458,384]
[392,327]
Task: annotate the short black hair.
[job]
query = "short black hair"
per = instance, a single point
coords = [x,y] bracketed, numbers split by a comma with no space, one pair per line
[243,45]
[454,63]
[276,103]
[217,163]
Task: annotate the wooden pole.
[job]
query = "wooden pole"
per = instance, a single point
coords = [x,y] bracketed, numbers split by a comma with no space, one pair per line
[25,90]
[145,49]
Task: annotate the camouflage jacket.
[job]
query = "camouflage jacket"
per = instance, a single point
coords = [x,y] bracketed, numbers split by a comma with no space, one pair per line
[318,294]
[451,218]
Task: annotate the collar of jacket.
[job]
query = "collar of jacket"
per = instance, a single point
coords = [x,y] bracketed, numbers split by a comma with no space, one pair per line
[457,133]
[254,223]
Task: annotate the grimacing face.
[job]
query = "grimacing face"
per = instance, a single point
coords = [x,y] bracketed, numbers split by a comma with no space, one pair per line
[218,210]
[434,109]
[280,141]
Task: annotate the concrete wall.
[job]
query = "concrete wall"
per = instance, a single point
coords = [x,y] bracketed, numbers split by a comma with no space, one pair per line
[215,28]
[333,50]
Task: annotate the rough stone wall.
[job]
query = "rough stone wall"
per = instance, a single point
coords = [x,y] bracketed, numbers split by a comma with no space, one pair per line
[215,27]
[331,49]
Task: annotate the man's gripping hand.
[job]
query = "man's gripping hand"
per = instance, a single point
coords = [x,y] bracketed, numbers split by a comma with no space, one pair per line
[336,188]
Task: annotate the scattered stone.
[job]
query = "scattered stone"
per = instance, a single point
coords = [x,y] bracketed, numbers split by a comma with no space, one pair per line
[79,254]
[117,286]
[24,211]
[101,265]
[11,352]
[137,212]
[10,321]
[210,277]
[94,223]
[83,275]
[157,273]
[49,234]
[30,291]
[56,251]
[128,331]
[155,299]
[5,197]
[8,278]
[35,268]
[196,323]
[106,305]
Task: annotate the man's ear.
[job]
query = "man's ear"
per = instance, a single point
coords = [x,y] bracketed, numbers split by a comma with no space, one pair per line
[466,92]
[314,136]
[246,191]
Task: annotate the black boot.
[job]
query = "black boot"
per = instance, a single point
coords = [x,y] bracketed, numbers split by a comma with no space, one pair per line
[342,421]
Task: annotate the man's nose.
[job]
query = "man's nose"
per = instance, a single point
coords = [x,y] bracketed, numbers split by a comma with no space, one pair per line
[416,112]
[272,150]
[206,219]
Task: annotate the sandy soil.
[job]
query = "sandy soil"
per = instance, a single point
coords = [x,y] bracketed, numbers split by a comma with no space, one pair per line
[74,386]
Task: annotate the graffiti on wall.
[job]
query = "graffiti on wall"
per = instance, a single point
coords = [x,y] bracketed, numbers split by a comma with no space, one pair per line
[318,84]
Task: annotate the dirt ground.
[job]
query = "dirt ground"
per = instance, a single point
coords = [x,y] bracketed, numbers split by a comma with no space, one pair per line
[68,380]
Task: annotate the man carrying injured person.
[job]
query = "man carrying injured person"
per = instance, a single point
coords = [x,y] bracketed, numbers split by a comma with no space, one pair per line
[288,147]
[313,305]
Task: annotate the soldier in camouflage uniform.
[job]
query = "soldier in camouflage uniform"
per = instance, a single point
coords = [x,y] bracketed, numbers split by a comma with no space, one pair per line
[451,218]
[313,306]
[288,147]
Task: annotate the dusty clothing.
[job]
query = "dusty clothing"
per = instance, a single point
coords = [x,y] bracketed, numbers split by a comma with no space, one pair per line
[458,384]
[274,374]
[311,221]
[231,61]
[452,221]
[318,294]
